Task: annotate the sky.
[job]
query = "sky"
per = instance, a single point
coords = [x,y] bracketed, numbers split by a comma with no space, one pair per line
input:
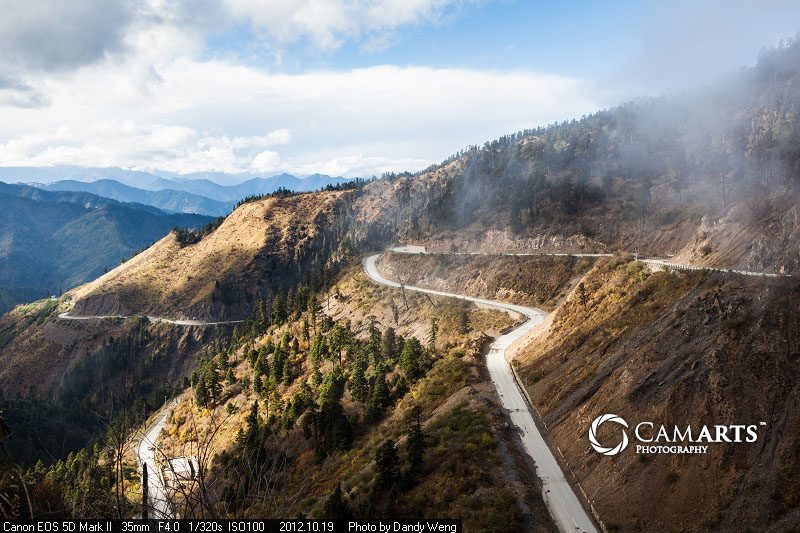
[340,87]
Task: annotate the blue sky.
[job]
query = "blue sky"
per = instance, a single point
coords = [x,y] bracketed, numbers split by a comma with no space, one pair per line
[350,87]
[558,37]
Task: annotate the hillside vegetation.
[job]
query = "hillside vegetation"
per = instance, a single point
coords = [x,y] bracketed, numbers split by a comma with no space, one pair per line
[672,347]
[699,348]
[300,414]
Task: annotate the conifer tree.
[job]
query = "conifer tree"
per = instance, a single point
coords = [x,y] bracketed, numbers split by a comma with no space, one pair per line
[411,359]
[335,507]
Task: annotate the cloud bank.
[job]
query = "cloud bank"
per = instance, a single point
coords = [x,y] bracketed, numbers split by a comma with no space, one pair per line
[147,85]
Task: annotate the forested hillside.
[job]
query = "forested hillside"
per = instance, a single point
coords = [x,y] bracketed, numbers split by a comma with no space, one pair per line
[643,174]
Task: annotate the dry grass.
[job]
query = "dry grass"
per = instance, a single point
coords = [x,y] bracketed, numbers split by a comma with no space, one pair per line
[172,280]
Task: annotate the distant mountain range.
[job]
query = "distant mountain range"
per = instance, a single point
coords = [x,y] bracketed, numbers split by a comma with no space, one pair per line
[170,200]
[56,240]
[207,193]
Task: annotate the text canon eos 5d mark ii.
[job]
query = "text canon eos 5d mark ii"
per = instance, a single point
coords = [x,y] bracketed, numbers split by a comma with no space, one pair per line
[231,526]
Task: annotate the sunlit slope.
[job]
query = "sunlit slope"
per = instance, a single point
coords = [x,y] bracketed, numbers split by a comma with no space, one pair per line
[218,276]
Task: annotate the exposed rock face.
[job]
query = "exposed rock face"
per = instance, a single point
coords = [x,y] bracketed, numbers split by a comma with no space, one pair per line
[100,305]
[754,235]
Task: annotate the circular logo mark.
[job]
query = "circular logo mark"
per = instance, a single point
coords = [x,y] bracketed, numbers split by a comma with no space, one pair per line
[593,435]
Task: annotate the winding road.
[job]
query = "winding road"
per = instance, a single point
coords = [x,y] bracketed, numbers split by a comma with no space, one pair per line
[153,319]
[657,262]
[561,500]
[146,450]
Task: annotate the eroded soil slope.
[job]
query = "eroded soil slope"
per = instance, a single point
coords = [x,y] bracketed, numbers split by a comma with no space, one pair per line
[537,281]
[676,349]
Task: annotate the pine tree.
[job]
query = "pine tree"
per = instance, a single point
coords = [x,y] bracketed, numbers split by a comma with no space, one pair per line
[279,307]
[335,507]
[333,425]
[316,375]
[287,373]
[379,397]
[213,382]
[416,442]
[388,345]
[340,340]
[229,377]
[201,393]
[276,368]
[261,366]
[388,465]
[432,332]
[411,359]
[359,387]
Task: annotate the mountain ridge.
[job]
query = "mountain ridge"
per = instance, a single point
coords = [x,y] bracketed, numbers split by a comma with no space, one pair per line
[51,241]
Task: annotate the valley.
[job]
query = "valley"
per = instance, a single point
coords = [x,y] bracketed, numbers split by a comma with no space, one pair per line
[478,340]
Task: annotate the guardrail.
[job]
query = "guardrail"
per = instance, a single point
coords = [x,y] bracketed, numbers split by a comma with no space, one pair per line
[678,266]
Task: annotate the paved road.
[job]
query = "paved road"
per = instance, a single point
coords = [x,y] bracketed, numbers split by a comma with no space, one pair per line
[410,249]
[563,503]
[146,452]
[153,319]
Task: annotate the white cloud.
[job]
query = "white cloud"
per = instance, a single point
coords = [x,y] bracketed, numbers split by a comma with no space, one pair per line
[189,116]
[329,23]
[266,161]
[150,99]
[124,143]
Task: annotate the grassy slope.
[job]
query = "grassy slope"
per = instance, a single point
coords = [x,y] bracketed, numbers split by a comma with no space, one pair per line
[170,280]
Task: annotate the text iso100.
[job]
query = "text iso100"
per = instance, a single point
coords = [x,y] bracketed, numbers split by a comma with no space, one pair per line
[305,526]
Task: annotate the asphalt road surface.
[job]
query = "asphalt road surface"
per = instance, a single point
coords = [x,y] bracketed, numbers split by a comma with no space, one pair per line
[146,452]
[410,249]
[561,500]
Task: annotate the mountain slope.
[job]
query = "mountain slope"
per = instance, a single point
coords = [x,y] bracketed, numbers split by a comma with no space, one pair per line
[221,275]
[165,199]
[52,240]
[711,174]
